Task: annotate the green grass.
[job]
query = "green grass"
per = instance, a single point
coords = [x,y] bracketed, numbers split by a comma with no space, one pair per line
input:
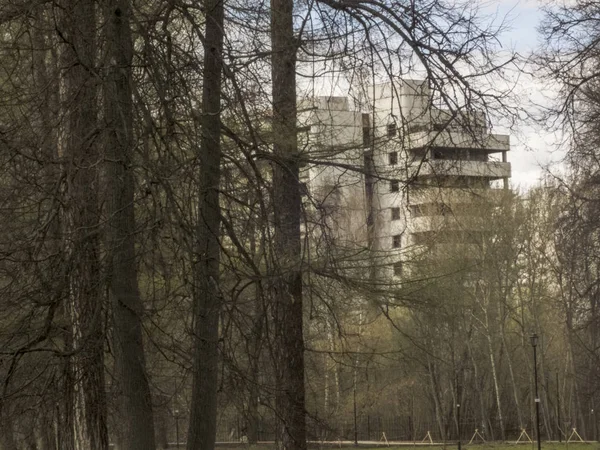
[500,446]
[489,446]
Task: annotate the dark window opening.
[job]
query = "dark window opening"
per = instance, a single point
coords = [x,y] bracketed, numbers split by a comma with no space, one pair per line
[416,211]
[417,128]
[393,158]
[394,186]
[395,213]
[396,241]
[392,130]
[398,269]
[366,137]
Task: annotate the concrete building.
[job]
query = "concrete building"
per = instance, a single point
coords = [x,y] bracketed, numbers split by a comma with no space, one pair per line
[400,174]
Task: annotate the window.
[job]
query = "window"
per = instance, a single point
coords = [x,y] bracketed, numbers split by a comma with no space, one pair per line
[393,158]
[391,129]
[398,269]
[394,186]
[417,128]
[366,137]
[395,213]
[416,210]
[396,241]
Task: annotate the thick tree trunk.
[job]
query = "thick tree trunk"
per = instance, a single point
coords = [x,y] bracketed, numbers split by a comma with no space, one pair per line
[134,399]
[47,429]
[7,438]
[85,304]
[289,341]
[207,297]
[46,80]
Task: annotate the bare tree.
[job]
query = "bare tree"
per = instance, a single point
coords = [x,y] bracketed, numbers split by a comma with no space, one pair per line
[207,292]
[134,400]
[86,416]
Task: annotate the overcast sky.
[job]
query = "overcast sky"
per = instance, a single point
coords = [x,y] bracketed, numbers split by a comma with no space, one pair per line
[533,150]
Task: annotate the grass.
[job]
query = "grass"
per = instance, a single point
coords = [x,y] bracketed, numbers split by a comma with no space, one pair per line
[499,446]
[453,446]
[528,446]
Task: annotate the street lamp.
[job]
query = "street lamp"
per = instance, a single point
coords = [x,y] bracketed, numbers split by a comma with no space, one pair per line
[176,414]
[458,399]
[534,342]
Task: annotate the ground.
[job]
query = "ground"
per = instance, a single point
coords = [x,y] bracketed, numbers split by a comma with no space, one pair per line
[453,446]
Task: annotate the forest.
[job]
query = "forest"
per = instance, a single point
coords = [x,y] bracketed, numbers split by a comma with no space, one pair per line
[167,279]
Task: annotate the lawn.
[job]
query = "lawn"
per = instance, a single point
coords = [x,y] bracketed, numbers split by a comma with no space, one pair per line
[497,446]
[453,446]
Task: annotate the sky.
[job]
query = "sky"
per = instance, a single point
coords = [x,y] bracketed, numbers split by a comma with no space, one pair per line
[534,151]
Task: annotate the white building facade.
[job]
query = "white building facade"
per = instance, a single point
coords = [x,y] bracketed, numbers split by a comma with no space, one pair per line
[399,174]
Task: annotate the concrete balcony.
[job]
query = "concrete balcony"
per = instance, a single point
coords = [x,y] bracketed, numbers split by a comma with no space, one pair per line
[491,143]
[492,170]
[451,196]
[437,224]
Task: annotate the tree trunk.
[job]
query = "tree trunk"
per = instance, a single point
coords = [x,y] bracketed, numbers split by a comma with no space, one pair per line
[7,438]
[46,86]
[85,303]
[255,348]
[47,429]
[134,399]
[287,289]
[433,382]
[511,371]
[478,385]
[513,382]
[496,385]
[207,297]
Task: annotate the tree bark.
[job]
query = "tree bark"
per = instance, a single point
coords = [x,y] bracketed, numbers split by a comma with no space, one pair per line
[85,303]
[287,287]
[7,438]
[207,297]
[134,399]
[45,71]
[255,348]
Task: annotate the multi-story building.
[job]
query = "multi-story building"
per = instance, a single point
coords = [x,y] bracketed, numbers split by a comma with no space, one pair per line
[400,174]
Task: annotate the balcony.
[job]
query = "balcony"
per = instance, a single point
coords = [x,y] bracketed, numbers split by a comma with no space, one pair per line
[491,143]
[492,170]
[448,223]
[449,196]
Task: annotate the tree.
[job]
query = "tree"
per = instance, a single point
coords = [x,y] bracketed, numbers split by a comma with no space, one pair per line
[157,204]
[207,293]
[570,60]
[287,261]
[86,409]
[134,399]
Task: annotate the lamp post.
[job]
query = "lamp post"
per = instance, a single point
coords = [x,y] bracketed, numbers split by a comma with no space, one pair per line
[176,414]
[458,399]
[355,418]
[534,341]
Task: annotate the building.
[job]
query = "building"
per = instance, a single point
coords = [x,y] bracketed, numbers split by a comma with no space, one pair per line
[399,174]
